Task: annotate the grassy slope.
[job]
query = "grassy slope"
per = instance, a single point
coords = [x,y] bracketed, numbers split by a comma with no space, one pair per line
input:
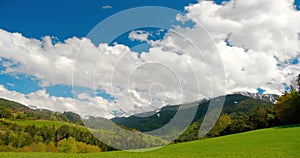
[40,123]
[272,142]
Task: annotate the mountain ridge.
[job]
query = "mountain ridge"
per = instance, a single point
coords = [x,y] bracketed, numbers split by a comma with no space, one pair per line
[266,97]
[160,118]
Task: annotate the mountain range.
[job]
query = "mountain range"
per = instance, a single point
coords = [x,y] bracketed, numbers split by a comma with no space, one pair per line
[241,101]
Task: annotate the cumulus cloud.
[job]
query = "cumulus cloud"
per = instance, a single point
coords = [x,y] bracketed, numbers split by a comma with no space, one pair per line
[267,26]
[138,35]
[42,99]
[263,34]
[253,38]
[138,83]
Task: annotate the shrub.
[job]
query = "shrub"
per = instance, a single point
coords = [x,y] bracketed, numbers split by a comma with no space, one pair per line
[86,148]
[67,145]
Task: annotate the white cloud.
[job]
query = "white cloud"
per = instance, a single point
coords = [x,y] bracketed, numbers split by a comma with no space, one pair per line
[41,99]
[107,7]
[138,35]
[53,64]
[267,26]
[267,29]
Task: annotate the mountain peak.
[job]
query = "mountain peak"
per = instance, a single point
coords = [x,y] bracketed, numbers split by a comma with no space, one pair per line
[265,97]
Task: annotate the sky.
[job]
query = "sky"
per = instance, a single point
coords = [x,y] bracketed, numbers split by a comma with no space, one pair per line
[54,54]
[35,19]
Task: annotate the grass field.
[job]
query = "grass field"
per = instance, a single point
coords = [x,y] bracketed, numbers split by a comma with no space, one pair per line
[272,142]
[40,123]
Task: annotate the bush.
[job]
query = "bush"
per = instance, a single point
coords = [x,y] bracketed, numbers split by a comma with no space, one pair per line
[7,148]
[86,148]
[67,145]
[51,148]
[35,147]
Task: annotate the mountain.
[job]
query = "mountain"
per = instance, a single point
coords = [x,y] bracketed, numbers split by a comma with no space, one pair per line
[266,97]
[156,120]
[233,103]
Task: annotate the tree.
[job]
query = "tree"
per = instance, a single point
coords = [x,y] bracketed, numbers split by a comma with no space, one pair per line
[51,147]
[67,145]
[38,147]
[298,83]
[219,128]
[191,133]
[259,117]
[35,147]
[287,107]
[6,113]
[241,124]
[86,148]
[64,132]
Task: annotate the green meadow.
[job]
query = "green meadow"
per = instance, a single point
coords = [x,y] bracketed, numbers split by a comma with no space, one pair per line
[272,142]
[40,123]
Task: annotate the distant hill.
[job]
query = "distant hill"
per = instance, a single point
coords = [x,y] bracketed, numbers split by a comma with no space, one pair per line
[233,103]
[13,110]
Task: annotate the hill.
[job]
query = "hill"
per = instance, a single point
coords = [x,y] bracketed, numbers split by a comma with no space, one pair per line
[272,142]
[233,103]
[15,111]
[240,113]
[22,129]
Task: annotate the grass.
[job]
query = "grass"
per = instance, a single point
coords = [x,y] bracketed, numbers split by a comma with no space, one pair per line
[40,123]
[272,142]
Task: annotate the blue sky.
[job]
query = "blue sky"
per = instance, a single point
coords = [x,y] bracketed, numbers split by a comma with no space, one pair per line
[66,19]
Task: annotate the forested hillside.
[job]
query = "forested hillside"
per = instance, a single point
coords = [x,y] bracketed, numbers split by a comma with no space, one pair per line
[16,111]
[24,129]
[240,113]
